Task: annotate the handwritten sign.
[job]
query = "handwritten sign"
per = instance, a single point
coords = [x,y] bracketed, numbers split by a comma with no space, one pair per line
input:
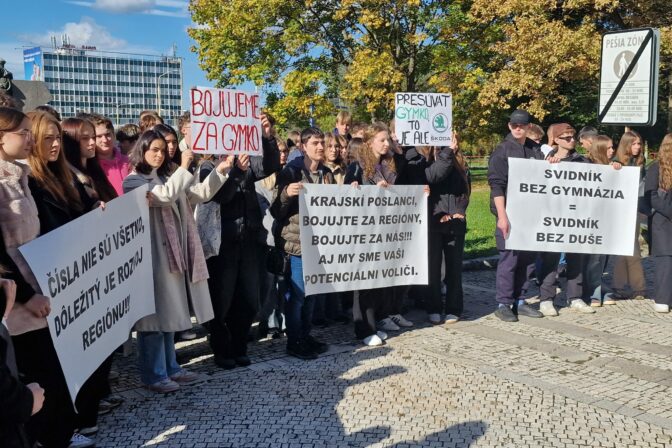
[225,121]
[423,119]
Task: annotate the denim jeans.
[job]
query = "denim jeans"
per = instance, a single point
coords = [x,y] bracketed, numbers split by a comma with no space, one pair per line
[299,309]
[156,356]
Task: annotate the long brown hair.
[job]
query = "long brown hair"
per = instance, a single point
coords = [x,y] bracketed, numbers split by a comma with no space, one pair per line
[367,159]
[10,119]
[461,162]
[328,137]
[597,152]
[72,132]
[665,162]
[55,177]
[624,154]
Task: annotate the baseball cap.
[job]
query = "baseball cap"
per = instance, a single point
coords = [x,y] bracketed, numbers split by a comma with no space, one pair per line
[520,116]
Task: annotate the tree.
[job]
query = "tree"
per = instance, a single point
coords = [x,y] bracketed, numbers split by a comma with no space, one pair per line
[360,51]
[550,53]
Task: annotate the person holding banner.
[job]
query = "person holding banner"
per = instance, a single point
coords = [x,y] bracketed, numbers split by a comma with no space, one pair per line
[285,209]
[562,137]
[19,224]
[599,147]
[375,166]
[512,265]
[58,202]
[658,202]
[51,181]
[234,271]
[17,401]
[628,270]
[180,271]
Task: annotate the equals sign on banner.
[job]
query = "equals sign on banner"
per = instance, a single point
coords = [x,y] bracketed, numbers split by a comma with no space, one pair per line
[572,207]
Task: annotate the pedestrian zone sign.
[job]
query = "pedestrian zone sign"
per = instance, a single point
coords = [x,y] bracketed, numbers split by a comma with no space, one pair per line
[629,77]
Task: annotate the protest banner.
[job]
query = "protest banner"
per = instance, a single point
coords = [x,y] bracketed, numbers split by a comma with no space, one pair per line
[423,119]
[362,238]
[225,121]
[97,271]
[571,207]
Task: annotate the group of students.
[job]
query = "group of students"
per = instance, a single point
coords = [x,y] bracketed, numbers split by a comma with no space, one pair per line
[584,290]
[225,247]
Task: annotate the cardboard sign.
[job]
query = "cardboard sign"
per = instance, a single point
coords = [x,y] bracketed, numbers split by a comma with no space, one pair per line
[225,121]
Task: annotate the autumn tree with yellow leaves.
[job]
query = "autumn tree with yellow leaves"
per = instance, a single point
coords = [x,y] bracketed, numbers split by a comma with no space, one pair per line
[491,55]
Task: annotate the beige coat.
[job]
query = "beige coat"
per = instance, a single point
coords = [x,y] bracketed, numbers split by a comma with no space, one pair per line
[174,293]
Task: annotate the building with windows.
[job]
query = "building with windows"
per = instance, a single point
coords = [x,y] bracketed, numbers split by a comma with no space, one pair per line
[117,85]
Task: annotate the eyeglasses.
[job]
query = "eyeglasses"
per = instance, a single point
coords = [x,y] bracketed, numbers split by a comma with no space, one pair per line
[567,139]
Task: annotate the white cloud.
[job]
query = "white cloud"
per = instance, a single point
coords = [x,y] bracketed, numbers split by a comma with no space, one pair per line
[86,32]
[167,8]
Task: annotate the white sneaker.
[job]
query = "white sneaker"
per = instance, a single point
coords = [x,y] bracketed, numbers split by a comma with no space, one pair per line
[547,309]
[373,340]
[79,441]
[435,318]
[661,308]
[581,306]
[382,335]
[387,324]
[451,318]
[401,320]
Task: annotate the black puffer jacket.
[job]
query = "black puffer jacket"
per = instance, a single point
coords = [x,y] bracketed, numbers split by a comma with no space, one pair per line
[241,216]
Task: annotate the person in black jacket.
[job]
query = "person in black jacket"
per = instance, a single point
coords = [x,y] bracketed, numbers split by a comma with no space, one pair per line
[59,202]
[512,265]
[448,202]
[562,137]
[658,202]
[234,273]
[433,167]
[375,166]
[17,402]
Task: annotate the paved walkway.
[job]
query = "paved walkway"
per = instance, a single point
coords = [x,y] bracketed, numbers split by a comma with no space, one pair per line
[600,380]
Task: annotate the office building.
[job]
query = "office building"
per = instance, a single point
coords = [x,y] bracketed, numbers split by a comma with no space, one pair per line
[117,85]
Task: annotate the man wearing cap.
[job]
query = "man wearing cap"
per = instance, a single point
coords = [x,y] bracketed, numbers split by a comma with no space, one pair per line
[512,265]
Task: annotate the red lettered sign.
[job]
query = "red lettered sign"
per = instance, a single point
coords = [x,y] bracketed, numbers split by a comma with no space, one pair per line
[225,121]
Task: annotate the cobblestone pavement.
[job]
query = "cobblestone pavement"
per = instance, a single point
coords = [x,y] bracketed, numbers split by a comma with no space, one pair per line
[600,380]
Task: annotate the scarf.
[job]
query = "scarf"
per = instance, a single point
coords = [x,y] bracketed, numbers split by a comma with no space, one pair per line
[19,225]
[195,262]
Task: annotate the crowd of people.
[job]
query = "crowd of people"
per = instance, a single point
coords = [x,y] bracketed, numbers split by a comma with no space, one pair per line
[583,272]
[226,246]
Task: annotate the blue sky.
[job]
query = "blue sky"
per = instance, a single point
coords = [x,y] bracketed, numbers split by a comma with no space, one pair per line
[134,26]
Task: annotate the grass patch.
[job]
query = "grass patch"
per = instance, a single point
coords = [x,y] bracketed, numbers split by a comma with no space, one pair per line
[480,239]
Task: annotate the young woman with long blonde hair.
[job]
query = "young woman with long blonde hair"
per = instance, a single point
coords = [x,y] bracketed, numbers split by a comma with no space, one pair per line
[658,200]
[628,270]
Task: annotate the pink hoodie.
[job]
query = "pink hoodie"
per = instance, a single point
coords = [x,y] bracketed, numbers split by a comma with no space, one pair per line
[115,169]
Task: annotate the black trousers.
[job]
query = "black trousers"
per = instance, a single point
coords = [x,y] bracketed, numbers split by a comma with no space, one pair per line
[234,290]
[663,276]
[38,362]
[574,272]
[93,390]
[446,243]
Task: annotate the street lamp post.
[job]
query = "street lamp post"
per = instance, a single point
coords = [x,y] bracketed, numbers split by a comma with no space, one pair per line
[158,88]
